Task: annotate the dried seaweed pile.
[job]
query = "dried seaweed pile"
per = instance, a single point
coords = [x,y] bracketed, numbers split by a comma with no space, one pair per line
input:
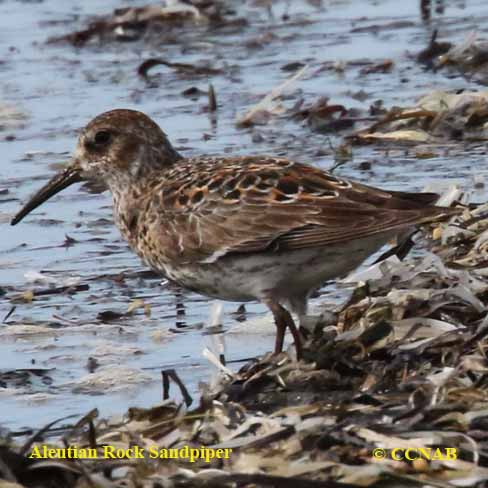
[437,117]
[469,57]
[130,24]
[402,365]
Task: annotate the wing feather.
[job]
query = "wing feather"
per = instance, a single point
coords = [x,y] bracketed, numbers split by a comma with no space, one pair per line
[255,205]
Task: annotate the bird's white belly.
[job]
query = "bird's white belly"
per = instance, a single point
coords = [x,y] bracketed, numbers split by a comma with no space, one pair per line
[274,275]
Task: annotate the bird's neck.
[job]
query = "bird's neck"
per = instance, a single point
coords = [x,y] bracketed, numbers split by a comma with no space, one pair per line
[153,160]
[131,189]
[127,186]
[127,207]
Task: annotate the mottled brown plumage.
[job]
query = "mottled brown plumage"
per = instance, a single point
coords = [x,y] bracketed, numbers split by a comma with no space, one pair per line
[236,228]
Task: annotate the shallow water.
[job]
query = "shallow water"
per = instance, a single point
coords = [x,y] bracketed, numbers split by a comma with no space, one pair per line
[59,88]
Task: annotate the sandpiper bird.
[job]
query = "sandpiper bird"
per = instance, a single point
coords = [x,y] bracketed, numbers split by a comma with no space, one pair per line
[235,228]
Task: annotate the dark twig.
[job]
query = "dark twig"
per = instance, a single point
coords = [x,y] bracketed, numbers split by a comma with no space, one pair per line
[38,435]
[212,99]
[10,312]
[183,67]
[171,374]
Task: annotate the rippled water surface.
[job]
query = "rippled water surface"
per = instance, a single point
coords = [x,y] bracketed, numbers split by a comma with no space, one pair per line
[56,88]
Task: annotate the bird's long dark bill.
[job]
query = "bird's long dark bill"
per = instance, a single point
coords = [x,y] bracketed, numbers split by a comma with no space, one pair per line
[56,184]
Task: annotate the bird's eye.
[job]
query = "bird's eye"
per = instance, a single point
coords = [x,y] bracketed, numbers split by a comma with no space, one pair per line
[102,138]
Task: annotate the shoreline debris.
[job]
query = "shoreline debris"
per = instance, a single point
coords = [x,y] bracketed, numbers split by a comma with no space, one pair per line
[403,367]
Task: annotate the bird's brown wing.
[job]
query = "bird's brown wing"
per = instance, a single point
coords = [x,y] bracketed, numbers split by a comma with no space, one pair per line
[268,205]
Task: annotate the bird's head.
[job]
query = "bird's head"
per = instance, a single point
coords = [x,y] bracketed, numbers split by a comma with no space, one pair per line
[117,148]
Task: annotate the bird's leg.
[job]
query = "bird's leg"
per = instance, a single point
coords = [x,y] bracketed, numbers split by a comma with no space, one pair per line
[283,320]
[299,306]
[280,335]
